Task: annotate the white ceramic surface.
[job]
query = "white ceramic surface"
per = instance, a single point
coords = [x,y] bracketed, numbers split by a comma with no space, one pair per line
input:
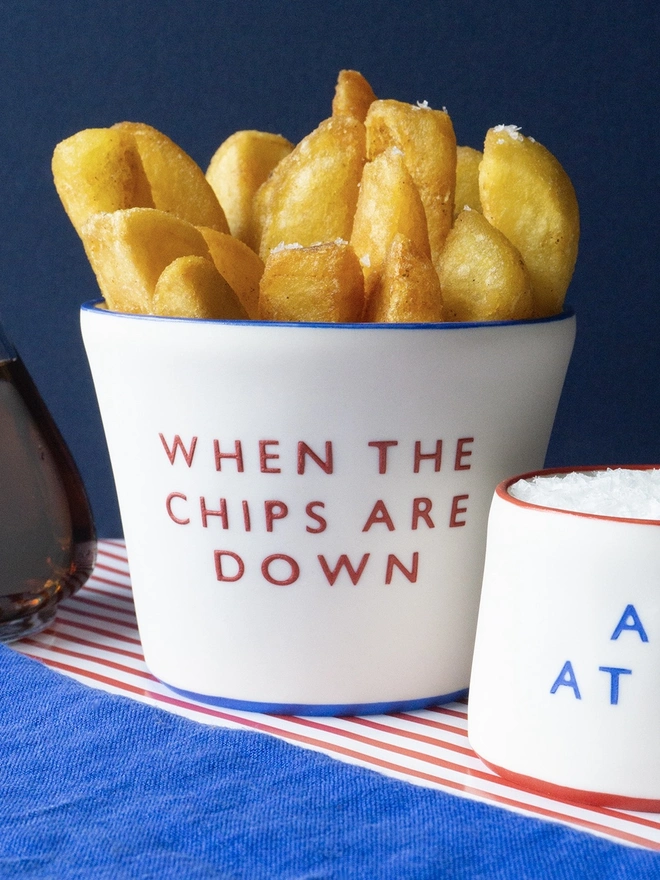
[305,506]
[565,686]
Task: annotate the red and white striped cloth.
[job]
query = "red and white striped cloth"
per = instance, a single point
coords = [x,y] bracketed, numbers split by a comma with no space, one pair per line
[95,640]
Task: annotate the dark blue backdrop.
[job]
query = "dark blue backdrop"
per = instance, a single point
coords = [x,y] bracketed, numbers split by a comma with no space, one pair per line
[580,77]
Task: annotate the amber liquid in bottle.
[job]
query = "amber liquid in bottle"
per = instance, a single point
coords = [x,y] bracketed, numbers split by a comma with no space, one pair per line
[47,536]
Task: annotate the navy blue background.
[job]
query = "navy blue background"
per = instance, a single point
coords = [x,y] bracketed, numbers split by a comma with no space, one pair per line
[580,77]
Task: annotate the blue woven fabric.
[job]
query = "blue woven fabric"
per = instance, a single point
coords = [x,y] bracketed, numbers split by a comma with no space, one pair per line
[99,786]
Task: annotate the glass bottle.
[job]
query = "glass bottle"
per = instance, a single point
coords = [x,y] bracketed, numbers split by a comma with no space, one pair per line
[47,535]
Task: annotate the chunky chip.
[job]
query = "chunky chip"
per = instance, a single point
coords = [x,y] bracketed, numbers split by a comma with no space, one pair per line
[467,179]
[311,194]
[527,195]
[388,203]
[177,183]
[238,168]
[239,266]
[428,143]
[321,283]
[407,290]
[191,287]
[482,275]
[353,95]
[99,169]
[128,250]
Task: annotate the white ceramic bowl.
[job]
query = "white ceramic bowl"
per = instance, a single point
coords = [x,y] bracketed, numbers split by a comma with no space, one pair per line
[565,688]
[305,506]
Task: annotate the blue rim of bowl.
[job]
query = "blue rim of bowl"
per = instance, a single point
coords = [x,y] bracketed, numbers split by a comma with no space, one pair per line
[327,709]
[568,312]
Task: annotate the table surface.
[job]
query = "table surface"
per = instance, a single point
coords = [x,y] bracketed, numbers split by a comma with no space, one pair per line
[95,640]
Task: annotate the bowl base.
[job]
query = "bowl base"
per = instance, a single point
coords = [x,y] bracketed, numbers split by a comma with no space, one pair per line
[575,795]
[327,709]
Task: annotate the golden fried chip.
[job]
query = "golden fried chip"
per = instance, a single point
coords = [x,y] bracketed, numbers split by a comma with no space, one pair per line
[353,95]
[99,169]
[388,203]
[467,179]
[311,194]
[129,249]
[408,290]
[238,168]
[178,184]
[239,266]
[527,195]
[191,287]
[321,283]
[482,275]
[426,138]
[377,186]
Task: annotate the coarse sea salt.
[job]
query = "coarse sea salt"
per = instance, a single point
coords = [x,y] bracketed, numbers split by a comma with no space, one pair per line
[512,130]
[514,133]
[282,246]
[628,493]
